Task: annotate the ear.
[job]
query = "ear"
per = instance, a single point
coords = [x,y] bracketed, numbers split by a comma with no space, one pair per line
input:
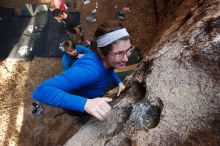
[100,53]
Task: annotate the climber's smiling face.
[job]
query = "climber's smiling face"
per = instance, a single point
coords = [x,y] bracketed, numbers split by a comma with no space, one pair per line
[117,57]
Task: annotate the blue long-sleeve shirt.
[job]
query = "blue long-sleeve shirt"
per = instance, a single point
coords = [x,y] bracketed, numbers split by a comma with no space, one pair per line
[68,60]
[87,78]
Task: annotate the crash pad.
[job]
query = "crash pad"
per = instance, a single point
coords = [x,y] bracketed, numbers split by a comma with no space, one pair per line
[23,37]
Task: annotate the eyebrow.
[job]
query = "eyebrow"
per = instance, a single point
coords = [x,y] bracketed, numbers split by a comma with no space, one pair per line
[123,51]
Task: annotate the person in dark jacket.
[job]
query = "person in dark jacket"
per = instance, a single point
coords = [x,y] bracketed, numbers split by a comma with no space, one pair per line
[72,24]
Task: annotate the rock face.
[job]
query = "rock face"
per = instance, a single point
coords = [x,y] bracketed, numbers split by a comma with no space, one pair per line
[173,98]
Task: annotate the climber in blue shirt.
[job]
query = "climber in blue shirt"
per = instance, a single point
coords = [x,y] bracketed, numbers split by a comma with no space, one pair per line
[74,52]
[81,87]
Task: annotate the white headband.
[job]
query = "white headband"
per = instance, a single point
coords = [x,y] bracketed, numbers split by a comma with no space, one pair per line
[111,37]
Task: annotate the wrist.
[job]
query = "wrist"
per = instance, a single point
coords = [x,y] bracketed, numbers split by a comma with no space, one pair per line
[87,105]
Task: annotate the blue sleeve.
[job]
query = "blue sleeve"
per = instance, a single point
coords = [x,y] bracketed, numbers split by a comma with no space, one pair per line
[56,91]
[67,61]
[115,78]
[82,50]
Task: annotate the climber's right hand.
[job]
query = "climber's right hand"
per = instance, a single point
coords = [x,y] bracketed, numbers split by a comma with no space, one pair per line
[99,107]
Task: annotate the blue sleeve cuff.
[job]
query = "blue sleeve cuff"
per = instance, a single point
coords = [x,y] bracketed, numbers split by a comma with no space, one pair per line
[115,79]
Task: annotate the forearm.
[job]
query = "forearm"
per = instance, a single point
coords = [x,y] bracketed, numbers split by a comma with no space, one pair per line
[59,98]
[56,90]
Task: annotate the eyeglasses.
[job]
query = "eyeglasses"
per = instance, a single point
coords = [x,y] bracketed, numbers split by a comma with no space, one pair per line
[119,55]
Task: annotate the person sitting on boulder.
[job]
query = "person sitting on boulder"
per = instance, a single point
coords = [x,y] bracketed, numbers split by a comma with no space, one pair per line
[73,27]
[81,87]
[72,53]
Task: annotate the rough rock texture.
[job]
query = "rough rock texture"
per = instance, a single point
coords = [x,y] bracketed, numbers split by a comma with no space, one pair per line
[173,97]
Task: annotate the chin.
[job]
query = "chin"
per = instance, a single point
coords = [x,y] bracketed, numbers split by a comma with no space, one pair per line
[120,66]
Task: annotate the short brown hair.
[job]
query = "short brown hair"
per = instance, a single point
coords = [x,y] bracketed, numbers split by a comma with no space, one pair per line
[67,44]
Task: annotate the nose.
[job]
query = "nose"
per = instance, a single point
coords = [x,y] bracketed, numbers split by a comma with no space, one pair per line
[125,58]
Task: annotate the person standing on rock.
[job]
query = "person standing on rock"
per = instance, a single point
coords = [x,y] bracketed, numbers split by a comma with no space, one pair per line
[71,20]
[81,87]
[72,24]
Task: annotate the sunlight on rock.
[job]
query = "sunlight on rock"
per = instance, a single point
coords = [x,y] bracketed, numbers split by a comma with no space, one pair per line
[12,142]
[7,69]
[4,118]
[23,50]
[30,28]
[20,116]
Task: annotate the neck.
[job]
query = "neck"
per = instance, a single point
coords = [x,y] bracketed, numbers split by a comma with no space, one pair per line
[106,65]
